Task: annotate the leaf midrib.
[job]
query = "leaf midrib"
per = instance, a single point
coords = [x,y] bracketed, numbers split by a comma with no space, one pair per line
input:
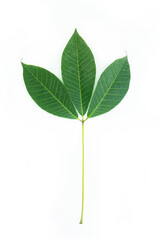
[106,92]
[49,91]
[79,73]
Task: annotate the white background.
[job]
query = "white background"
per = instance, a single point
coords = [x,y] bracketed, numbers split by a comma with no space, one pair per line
[40,154]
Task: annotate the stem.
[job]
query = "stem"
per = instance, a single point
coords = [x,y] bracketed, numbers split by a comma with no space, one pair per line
[81,221]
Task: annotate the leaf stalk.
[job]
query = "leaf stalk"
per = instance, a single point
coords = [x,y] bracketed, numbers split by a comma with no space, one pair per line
[81,221]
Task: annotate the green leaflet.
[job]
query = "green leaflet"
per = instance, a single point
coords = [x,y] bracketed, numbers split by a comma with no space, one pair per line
[48,91]
[78,72]
[111,88]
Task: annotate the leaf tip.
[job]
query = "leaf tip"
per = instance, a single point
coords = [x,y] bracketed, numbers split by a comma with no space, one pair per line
[126,54]
[125,58]
[23,64]
[76,32]
[22,61]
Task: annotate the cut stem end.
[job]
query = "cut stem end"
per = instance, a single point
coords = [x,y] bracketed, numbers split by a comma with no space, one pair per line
[81,222]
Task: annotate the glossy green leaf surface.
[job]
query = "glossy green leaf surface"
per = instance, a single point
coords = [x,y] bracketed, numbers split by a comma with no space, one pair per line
[48,91]
[111,88]
[78,72]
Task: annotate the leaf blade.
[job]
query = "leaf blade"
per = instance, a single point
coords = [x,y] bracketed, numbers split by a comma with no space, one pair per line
[48,91]
[78,72]
[111,88]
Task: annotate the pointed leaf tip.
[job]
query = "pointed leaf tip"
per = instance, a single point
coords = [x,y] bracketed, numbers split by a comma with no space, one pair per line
[76,33]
